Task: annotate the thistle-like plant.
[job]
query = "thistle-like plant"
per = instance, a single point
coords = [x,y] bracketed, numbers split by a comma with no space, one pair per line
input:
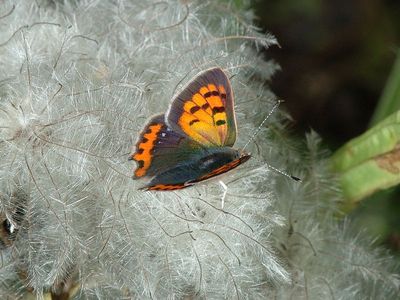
[77,81]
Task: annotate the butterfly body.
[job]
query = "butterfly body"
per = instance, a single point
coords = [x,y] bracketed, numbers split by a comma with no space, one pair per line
[193,141]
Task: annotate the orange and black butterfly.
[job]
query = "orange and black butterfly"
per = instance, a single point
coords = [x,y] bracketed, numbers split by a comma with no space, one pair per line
[193,140]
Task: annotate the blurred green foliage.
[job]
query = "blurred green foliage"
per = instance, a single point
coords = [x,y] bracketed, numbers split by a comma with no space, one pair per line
[390,99]
[369,162]
[336,57]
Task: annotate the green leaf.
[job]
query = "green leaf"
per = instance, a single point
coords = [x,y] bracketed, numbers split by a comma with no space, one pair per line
[390,99]
[369,162]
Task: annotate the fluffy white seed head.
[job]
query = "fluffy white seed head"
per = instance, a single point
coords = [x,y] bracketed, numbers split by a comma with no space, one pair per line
[79,79]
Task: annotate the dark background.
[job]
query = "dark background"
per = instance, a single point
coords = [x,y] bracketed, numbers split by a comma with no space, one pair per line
[336,57]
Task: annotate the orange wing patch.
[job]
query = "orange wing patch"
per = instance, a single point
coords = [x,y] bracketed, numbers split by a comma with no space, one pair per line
[143,155]
[166,187]
[204,118]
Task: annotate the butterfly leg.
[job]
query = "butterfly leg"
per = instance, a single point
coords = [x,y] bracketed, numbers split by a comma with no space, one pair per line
[225,188]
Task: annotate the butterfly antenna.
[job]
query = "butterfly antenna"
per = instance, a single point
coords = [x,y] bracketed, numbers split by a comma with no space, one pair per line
[278,171]
[262,123]
[257,131]
[282,172]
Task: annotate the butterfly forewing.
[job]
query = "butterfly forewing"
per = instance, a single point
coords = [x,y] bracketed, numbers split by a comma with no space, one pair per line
[204,110]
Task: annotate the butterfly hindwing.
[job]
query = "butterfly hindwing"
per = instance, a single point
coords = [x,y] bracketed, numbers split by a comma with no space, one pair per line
[204,164]
[204,110]
[159,148]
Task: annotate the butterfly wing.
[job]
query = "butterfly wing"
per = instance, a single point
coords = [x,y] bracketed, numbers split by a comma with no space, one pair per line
[159,148]
[208,165]
[204,110]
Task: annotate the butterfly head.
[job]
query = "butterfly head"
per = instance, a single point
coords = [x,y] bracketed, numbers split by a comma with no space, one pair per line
[242,156]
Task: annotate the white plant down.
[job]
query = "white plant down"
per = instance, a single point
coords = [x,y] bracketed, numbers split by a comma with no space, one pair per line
[78,79]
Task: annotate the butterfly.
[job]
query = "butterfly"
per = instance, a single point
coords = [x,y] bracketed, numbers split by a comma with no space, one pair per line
[193,140]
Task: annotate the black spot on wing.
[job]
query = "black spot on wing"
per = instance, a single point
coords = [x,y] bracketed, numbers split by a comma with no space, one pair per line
[193,121]
[209,94]
[205,106]
[194,109]
[140,163]
[218,109]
